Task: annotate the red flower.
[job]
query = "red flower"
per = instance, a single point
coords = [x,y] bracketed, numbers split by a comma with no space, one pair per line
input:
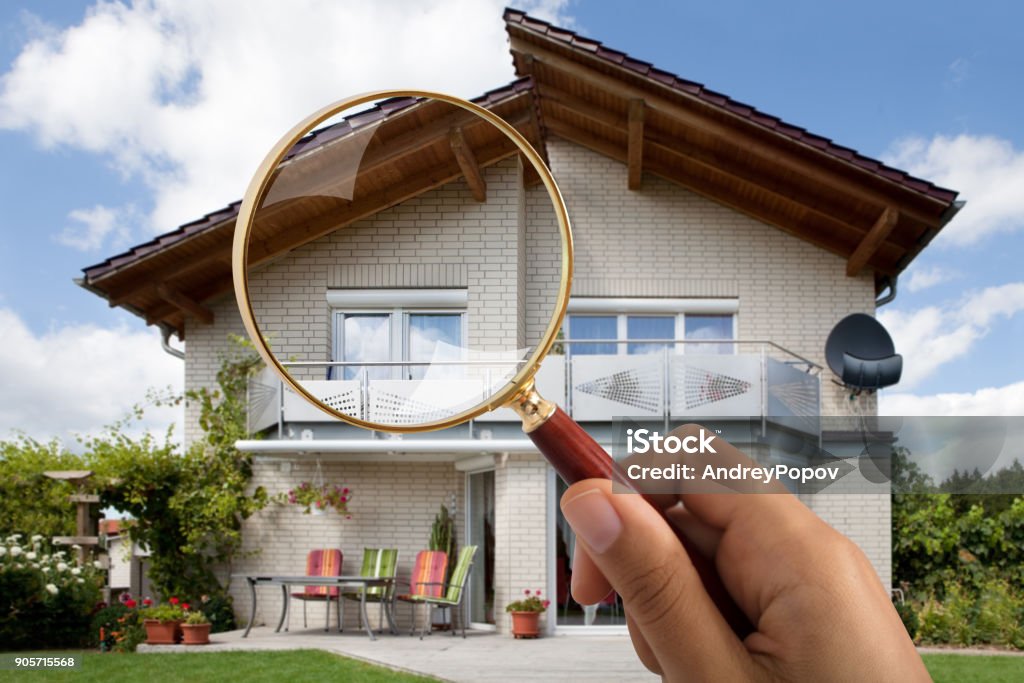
[538,591]
[173,601]
[147,602]
[184,605]
[129,603]
[526,592]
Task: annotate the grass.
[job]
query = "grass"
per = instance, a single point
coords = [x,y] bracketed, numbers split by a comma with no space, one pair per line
[975,668]
[250,667]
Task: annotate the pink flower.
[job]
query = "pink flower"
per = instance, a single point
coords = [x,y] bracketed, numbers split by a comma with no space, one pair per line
[538,591]
[546,603]
[344,499]
[345,491]
[526,592]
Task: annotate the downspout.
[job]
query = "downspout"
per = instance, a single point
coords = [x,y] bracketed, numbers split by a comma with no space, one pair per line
[891,284]
[165,343]
[952,210]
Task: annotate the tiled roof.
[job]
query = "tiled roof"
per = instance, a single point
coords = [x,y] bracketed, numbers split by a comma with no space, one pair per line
[314,139]
[724,102]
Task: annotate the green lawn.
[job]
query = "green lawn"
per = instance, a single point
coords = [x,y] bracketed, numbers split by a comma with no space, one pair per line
[975,669]
[303,665]
[250,667]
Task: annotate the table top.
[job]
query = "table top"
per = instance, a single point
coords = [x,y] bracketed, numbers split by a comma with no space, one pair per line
[315,580]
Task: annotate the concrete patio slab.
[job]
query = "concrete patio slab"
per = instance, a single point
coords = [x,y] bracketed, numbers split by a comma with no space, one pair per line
[486,657]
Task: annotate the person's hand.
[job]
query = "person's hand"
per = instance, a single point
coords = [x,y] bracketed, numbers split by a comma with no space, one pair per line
[819,609]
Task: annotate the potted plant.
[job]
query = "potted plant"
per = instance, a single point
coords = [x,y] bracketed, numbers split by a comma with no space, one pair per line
[526,614]
[196,628]
[317,499]
[162,623]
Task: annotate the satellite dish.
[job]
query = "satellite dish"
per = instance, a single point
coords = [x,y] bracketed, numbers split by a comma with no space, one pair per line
[860,351]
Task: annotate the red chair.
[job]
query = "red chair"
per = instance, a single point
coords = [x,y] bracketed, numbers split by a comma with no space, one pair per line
[322,562]
[427,580]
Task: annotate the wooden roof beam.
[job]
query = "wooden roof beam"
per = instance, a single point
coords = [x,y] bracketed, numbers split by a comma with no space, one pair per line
[635,154]
[467,163]
[699,184]
[185,303]
[549,60]
[872,241]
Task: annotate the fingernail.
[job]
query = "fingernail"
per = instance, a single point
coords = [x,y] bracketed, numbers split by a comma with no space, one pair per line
[593,518]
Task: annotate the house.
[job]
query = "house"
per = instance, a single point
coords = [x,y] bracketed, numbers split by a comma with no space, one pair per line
[695,217]
[126,562]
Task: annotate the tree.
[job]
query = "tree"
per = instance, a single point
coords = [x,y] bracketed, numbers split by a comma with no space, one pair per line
[31,503]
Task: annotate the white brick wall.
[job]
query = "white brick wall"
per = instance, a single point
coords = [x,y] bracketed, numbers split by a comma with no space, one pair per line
[666,241]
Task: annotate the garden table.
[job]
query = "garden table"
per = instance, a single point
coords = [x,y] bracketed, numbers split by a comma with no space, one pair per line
[360,583]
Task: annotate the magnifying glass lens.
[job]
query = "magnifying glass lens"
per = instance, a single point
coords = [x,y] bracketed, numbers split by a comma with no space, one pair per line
[405,259]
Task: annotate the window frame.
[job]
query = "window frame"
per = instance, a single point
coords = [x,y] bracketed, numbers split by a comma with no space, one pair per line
[408,302]
[624,308]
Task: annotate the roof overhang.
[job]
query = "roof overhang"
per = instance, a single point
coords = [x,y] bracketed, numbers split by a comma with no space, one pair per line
[171,278]
[876,217]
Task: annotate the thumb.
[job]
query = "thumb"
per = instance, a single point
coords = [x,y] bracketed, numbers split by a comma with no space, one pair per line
[645,563]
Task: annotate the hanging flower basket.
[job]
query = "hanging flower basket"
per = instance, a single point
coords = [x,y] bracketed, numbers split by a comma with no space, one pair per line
[317,500]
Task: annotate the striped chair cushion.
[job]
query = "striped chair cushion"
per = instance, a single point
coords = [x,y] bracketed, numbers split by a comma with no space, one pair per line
[321,562]
[457,580]
[377,562]
[427,575]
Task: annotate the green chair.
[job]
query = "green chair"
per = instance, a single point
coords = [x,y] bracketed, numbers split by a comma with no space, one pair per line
[377,563]
[453,592]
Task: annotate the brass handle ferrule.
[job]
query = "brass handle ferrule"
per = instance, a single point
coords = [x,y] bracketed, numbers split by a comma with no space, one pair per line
[532,408]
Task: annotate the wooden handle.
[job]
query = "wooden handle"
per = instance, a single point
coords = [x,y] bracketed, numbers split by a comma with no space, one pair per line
[576,456]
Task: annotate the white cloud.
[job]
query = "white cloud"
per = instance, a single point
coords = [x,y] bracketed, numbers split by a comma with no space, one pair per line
[924,278]
[188,95]
[76,379]
[1008,400]
[988,171]
[90,228]
[933,336]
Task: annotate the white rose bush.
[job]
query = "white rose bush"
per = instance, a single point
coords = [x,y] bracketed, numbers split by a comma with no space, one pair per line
[46,600]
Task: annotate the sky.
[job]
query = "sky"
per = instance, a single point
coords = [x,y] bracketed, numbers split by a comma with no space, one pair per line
[122,120]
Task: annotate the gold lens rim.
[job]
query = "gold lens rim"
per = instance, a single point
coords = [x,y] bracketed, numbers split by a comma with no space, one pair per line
[260,184]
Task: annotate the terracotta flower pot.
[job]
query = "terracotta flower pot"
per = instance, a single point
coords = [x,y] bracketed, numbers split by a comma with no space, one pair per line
[196,634]
[161,632]
[526,624]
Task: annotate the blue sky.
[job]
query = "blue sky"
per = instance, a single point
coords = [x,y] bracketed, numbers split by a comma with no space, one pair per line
[119,121]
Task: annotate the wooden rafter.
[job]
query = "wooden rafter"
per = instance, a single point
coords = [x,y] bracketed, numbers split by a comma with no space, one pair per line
[185,303]
[635,145]
[878,193]
[872,241]
[702,184]
[467,162]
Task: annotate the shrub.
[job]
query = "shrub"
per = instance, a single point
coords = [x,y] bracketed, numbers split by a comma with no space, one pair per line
[45,601]
[220,610]
[908,615]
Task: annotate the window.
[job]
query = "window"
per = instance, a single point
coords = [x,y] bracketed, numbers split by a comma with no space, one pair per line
[412,329]
[643,322]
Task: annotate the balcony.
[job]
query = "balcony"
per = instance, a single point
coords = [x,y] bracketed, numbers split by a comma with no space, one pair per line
[672,380]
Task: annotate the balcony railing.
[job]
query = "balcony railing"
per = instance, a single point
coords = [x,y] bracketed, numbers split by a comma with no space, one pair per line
[670,379]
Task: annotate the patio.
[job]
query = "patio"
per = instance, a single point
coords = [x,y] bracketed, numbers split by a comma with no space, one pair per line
[480,657]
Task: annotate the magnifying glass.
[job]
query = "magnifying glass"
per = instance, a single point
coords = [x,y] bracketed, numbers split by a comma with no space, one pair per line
[403,260]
